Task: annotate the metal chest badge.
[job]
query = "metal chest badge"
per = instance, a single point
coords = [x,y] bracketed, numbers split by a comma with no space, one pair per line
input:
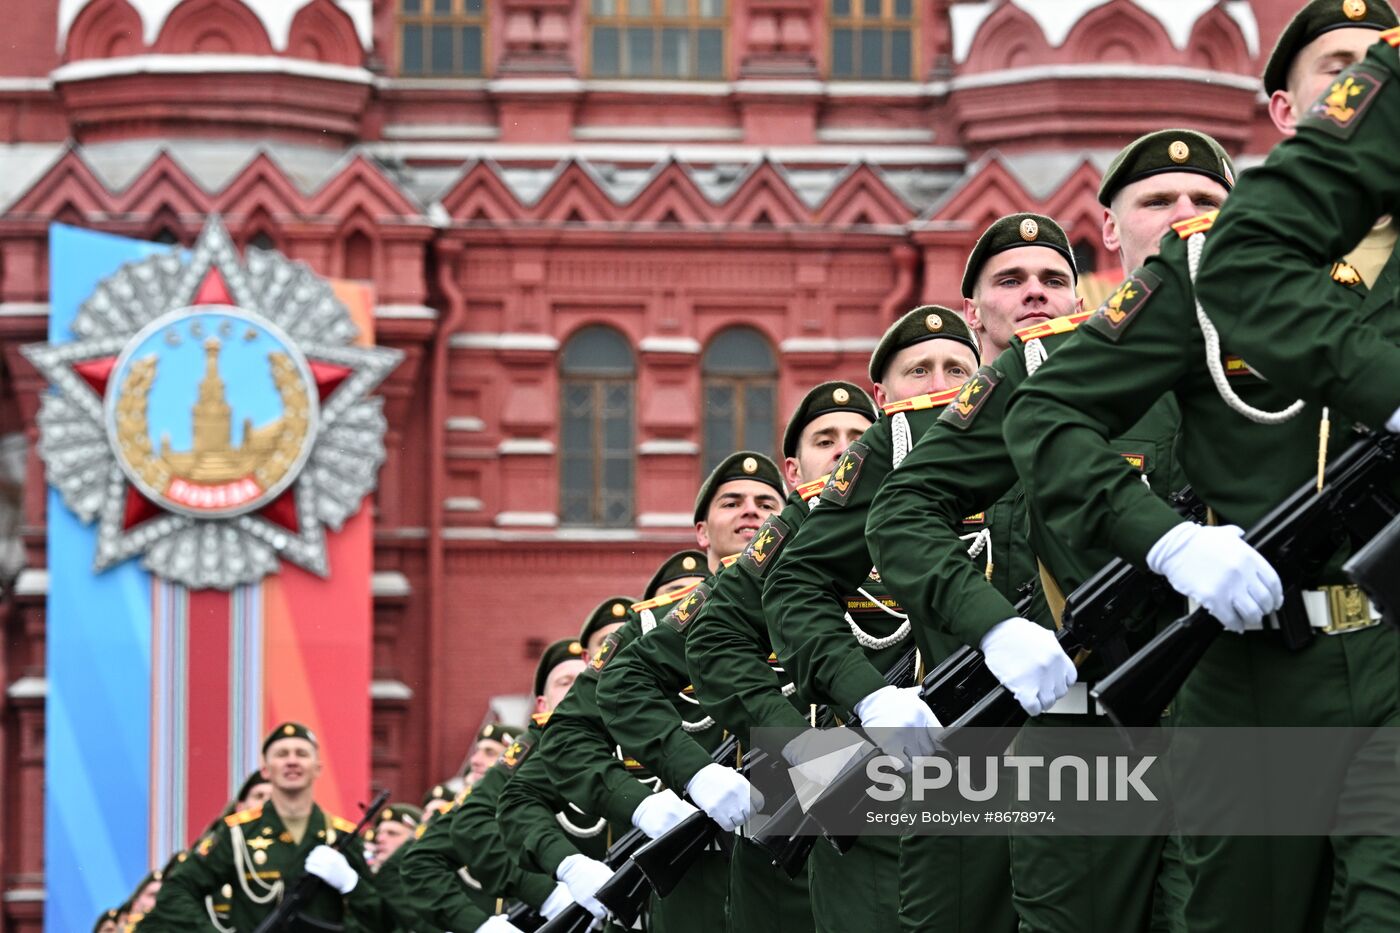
[213,415]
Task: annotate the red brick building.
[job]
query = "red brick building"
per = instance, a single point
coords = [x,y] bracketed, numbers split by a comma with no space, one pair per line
[614,238]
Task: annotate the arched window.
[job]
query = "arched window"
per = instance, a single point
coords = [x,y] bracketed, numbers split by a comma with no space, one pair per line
[741,388]
[595,429]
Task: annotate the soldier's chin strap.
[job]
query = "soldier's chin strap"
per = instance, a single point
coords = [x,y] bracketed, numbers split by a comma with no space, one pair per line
[1194,247]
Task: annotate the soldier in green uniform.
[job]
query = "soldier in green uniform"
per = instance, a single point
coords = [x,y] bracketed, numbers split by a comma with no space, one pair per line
[838,656]
[392,836]
[264,851]
[737,680]
[461,868]
[1242,462]
[491,740]
[648,703]
[961,466]
[436,801]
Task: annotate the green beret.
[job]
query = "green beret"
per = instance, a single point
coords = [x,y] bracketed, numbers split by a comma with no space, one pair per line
[1012,232]
[613,609]
[436,792]
[1167,151]
[289,730]
[109,915]
[926,322]
[1313,20]
[498,732]
[562,650]
[691,563]
[823,400]
[742,464]
[253,780]
[405,813]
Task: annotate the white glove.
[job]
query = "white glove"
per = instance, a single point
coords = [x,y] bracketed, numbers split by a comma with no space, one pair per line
[660,812]
[1393,425]
[725,795]
[332,868]
[584,876]
[1029,662]
[1214,567]
[497,923]
[907,717]
[558,899]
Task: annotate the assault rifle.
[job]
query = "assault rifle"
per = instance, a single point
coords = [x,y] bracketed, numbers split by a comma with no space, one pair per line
[626,892]
[790,833]
[1297,538]
[1092,623]
[308,885]
[522,915]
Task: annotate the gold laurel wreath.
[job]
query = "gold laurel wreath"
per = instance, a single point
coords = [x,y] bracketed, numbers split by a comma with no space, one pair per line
[296,415]
[134,438]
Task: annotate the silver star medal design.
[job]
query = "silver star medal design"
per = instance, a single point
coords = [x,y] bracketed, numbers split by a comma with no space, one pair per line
[213,416]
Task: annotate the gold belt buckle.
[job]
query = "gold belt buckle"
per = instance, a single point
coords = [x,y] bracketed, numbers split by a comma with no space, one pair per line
[1348,608]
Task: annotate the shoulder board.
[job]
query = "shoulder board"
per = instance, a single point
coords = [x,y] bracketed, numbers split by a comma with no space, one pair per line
[758,555]
[1200,224]
[808,490]
[1392,37]
[540,719]
[342,825]
[512,757]
[665,599]
[247,816]
[920,402]
[1058,325]
[686,610]
[605,651]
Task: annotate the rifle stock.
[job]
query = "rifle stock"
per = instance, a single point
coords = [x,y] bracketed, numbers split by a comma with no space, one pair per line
[1373,568]
[307,885]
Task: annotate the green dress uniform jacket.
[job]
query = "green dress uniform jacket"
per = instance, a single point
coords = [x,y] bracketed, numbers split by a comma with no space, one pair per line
[646,698]
[1312,200]
[532,813]
[945,883]
[737,679]
[459,866]
[580,755]
[253,852]
[961,466]
[406,910]
[1146,341]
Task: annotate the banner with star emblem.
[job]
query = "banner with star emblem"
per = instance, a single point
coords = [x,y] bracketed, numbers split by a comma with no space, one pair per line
[208,441]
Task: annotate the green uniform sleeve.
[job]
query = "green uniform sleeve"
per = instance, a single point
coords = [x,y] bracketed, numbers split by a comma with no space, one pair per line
[801,599]
[405,909]
[728,650]
[959,467]
[579,751]
[526,811]
[180,905]
[1312,200]
[431,881]
[476,840]
[634,693]
[365,903]
[1060,423]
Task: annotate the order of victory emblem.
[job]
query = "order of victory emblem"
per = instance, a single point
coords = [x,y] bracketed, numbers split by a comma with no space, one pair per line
[213,416]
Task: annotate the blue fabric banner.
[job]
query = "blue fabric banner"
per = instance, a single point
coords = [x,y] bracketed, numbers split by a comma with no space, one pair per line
[98,743]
